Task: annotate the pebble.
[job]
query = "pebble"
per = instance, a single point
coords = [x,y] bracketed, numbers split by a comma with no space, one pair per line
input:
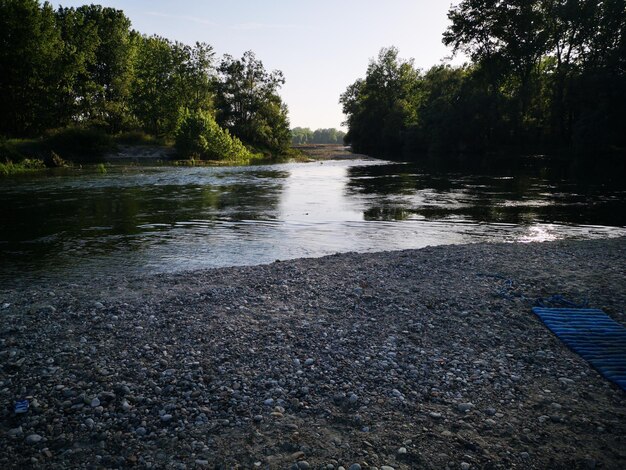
[464,407]
[193,386]
[33,439]
[355,466]
[465,466]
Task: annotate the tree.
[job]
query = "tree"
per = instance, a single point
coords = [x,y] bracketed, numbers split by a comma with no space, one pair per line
[30,47]
[170,76]
[249,105]
[380,108]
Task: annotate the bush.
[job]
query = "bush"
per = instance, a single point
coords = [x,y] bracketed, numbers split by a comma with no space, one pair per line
[78,142]
[138,138]
[199,136]
[26,165]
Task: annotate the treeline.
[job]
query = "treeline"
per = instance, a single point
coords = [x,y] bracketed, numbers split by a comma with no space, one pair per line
[546,76]
[304,135]
[87,68]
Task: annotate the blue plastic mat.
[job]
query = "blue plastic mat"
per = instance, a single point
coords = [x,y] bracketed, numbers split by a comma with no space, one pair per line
[593,335]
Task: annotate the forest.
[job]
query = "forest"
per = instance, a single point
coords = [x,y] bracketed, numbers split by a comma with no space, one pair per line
[76,77]
[545,77]
[304,135]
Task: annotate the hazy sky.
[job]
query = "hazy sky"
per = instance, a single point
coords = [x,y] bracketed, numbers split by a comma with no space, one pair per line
[320,45]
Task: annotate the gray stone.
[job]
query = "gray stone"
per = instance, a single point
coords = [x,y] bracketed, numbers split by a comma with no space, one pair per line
[465,466]
[464,407]
[34,439]
[355,466]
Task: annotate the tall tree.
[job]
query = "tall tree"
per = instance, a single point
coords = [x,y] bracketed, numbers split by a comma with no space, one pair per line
[380,108]
[249,105]
[30,46]
[170,76]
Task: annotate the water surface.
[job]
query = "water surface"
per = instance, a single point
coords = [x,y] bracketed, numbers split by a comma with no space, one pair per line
[134,220]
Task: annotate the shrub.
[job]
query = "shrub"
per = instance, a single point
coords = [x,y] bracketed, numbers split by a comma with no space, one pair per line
[199,136]
[78,142]
[138,138]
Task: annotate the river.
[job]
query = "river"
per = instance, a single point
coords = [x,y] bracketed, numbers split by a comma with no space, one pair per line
[73,224]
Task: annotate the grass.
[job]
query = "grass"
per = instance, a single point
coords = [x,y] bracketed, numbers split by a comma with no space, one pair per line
[27,165]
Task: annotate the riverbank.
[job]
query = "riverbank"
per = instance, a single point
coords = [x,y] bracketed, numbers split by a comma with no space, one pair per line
[413,359]
[329,152]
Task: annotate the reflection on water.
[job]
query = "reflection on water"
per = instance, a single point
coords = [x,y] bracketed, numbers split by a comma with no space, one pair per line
[136,220]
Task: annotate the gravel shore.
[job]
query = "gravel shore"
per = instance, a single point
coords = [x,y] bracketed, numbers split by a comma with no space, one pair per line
[425,358]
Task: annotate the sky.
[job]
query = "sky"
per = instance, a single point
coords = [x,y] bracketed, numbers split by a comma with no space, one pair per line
[321,46]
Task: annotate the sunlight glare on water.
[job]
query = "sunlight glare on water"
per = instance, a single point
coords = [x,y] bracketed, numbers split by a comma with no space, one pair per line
[137,220]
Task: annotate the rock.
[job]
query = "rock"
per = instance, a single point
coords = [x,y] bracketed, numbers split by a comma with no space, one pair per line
[303,465]
[354,466]
[465,466]
[309,362]
[15,432]
[95,402]
[166,418]
[402,450]
[269,402]
[202,463]
[464,407]
[33,439]
[140,431]
[386,467]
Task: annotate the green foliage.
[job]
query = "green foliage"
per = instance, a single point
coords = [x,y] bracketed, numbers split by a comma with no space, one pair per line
[138,138]
[382,107]
[199,136]
[85,69]
[30,46]
[169,76]
[547,75]
[304,135]
[248,103]
[79,143]
[27,165]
